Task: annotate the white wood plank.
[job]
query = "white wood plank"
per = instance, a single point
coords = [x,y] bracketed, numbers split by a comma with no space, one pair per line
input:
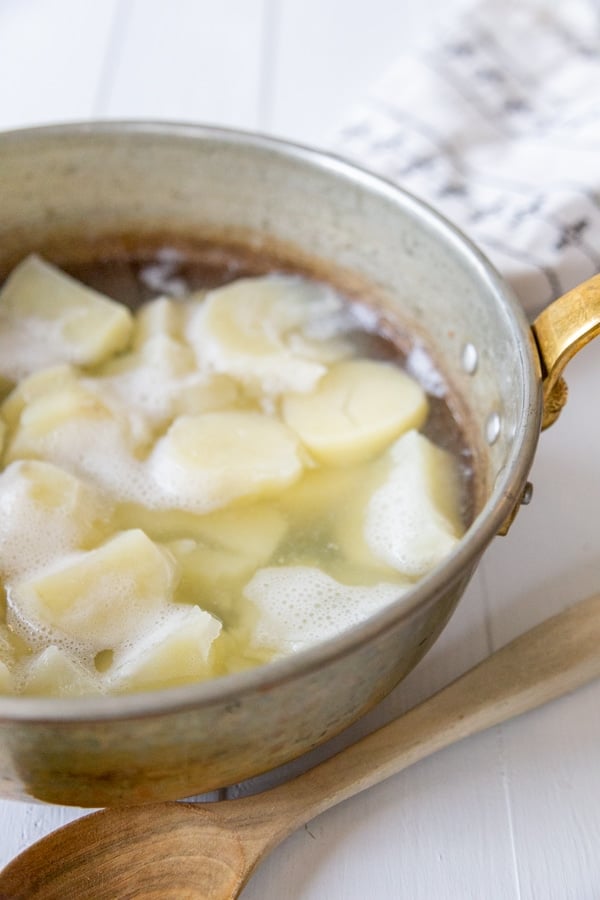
[51,58]
[192,60]
[329,51]
[549,560]
[21,824]
[429,832]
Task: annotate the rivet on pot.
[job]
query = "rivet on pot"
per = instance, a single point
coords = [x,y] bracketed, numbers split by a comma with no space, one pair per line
[470,358]
[527,494]
[492,428]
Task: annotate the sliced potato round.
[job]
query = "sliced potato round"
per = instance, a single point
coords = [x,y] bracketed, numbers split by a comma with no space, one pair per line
[355,411]
[206,462]
[265,332]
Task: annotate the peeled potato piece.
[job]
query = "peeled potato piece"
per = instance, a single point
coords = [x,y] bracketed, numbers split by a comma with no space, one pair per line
[355,411]
[411,521]
[162,316]
[265,332]
[47,317]
[102,598]
[43,417]
[299,606]
[205,462]
[45,513]
[30,389]
[226,547]
[53,673]
[253,532]
[175,651]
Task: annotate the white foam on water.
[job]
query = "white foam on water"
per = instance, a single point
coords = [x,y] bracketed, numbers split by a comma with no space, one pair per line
[299,606]
[404,525]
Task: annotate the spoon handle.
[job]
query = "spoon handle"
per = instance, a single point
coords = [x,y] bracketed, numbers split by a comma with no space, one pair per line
[546,662]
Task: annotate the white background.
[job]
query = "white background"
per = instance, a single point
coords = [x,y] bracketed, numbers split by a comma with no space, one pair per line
[513,813]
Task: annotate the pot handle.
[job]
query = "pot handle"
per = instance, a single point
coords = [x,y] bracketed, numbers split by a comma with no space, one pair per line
[559,332]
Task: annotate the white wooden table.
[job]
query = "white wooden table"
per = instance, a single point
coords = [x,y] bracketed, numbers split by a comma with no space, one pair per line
[515,812]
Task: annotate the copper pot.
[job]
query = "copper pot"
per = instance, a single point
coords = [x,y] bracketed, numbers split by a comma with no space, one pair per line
[63,190]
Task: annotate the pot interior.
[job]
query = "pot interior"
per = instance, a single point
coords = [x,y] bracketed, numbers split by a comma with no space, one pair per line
[75,193]
[69,191]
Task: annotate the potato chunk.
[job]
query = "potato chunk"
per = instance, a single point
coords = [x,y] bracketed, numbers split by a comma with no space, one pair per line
[53,673]
[226,547]
[42,419]
[46,317]
[206,462]
[101,599]
[355,411]
[45,513]
[175,651]
[273,334]
[161,316]
[40,383]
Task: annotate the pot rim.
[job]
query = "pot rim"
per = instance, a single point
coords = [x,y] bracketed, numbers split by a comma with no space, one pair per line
[497,508]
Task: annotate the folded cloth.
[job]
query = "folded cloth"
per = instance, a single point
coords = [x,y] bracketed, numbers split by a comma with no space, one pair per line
[496,123]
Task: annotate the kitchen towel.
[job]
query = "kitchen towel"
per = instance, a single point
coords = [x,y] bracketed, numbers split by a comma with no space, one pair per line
[495,122]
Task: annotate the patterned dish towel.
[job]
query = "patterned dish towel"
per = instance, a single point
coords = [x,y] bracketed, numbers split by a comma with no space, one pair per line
[496,123]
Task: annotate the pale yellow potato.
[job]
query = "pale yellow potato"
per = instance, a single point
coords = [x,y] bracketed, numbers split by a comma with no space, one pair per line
[205,392]
[222,551]
[69,423]
[226,547]
[43,417]
[206,462]
[357,409]
[411,520]
[102,598]
[39,384]
[265,332]
[323,492]
[175,651]
[161,316]
[204,568]
[46,317]
[254,531]
[53,673]
[45,513]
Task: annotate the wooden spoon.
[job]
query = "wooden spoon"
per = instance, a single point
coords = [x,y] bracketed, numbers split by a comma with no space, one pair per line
[186,850]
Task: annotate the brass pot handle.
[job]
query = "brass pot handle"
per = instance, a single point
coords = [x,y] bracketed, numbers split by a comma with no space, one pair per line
[559,332]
